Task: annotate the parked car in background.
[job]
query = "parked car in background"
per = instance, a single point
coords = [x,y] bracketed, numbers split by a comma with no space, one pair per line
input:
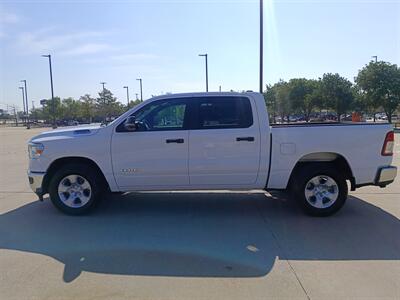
[72,123]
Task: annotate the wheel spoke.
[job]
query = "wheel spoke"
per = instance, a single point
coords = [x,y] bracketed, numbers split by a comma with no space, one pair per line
[73,178]
[85,185]
[69,202]
[62,188]
[319,203]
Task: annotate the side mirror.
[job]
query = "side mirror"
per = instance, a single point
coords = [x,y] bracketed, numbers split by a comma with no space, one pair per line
[130,124]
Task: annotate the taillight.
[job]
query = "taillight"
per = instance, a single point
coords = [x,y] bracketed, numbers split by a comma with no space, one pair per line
[388,145]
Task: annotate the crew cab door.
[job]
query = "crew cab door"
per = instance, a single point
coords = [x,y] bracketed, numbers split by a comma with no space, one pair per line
[224,146]
[156,153]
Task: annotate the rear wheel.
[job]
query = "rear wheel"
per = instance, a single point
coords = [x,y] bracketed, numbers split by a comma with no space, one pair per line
[75,189]
[320,189]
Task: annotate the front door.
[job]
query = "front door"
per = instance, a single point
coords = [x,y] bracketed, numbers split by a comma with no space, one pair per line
[156,153]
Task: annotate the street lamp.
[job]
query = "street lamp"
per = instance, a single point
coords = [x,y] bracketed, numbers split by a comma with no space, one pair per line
[26,104]
[34,111]
[23,98]
[104,98]
[127,94]
[261,46]
[104,101]
[53,104]
[206,60]
[375,57]
[141,91]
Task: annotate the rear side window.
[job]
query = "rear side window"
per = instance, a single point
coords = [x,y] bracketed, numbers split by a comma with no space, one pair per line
[224,112]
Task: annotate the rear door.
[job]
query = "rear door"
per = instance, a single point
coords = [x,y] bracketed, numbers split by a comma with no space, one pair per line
[224,145]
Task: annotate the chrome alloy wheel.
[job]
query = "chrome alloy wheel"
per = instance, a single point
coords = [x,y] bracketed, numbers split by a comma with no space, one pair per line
[321,191]
[74,191]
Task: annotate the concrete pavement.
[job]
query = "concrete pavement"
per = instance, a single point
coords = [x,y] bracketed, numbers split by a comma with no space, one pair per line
[193,245]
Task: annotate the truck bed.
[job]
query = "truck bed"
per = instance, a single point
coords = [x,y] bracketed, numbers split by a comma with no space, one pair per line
[360,144]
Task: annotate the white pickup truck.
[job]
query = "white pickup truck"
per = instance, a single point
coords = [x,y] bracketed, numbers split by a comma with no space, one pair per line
[209,141]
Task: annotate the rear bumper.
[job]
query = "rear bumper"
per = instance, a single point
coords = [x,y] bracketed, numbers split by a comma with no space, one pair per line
[35,182]
[385,175]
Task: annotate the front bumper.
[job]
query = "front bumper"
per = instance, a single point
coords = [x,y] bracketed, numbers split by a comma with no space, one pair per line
[35,181]
[385,175]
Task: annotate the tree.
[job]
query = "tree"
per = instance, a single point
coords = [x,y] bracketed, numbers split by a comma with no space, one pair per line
[379,82]
[88,106]
[71,108]
[361,102]
[133,103]
[107,105]
[47,112]
[277,100]
[337,93]
[283,105]
[270,101]
[303,95]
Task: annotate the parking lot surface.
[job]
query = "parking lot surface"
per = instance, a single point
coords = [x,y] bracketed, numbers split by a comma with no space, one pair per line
[188,245]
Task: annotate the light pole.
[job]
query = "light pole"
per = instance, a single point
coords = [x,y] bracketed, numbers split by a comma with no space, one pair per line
[206,59]
[34,111]
[375,57]
[104,100]
[141,91]
[137,96]
[26,104]
[53,104]
[127,94]
[261,46]
[23,100]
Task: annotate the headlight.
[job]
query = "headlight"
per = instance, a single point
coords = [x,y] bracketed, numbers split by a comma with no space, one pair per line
[35,150]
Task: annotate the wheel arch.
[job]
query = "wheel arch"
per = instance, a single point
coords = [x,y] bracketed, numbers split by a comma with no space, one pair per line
[336,160]
[58,163]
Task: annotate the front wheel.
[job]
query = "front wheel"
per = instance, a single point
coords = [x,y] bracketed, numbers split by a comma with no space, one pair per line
[75,189]
[320,189]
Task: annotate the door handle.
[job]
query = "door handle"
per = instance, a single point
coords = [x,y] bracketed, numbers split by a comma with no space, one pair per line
[178,141]
[246,138]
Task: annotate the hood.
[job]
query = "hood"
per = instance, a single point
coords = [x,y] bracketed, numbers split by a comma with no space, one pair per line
[69,132]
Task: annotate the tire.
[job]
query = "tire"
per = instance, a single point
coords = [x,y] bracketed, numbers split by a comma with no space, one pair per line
[75,189]
[320,189]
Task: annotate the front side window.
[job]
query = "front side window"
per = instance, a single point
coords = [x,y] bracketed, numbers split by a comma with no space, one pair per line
[160,115]
[224,112]
[171,116]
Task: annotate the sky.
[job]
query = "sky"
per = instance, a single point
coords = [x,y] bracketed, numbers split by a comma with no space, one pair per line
[159,41]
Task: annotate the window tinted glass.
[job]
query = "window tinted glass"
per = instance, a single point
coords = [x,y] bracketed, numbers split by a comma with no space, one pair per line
[168,117]
[160,115]
[224,112]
